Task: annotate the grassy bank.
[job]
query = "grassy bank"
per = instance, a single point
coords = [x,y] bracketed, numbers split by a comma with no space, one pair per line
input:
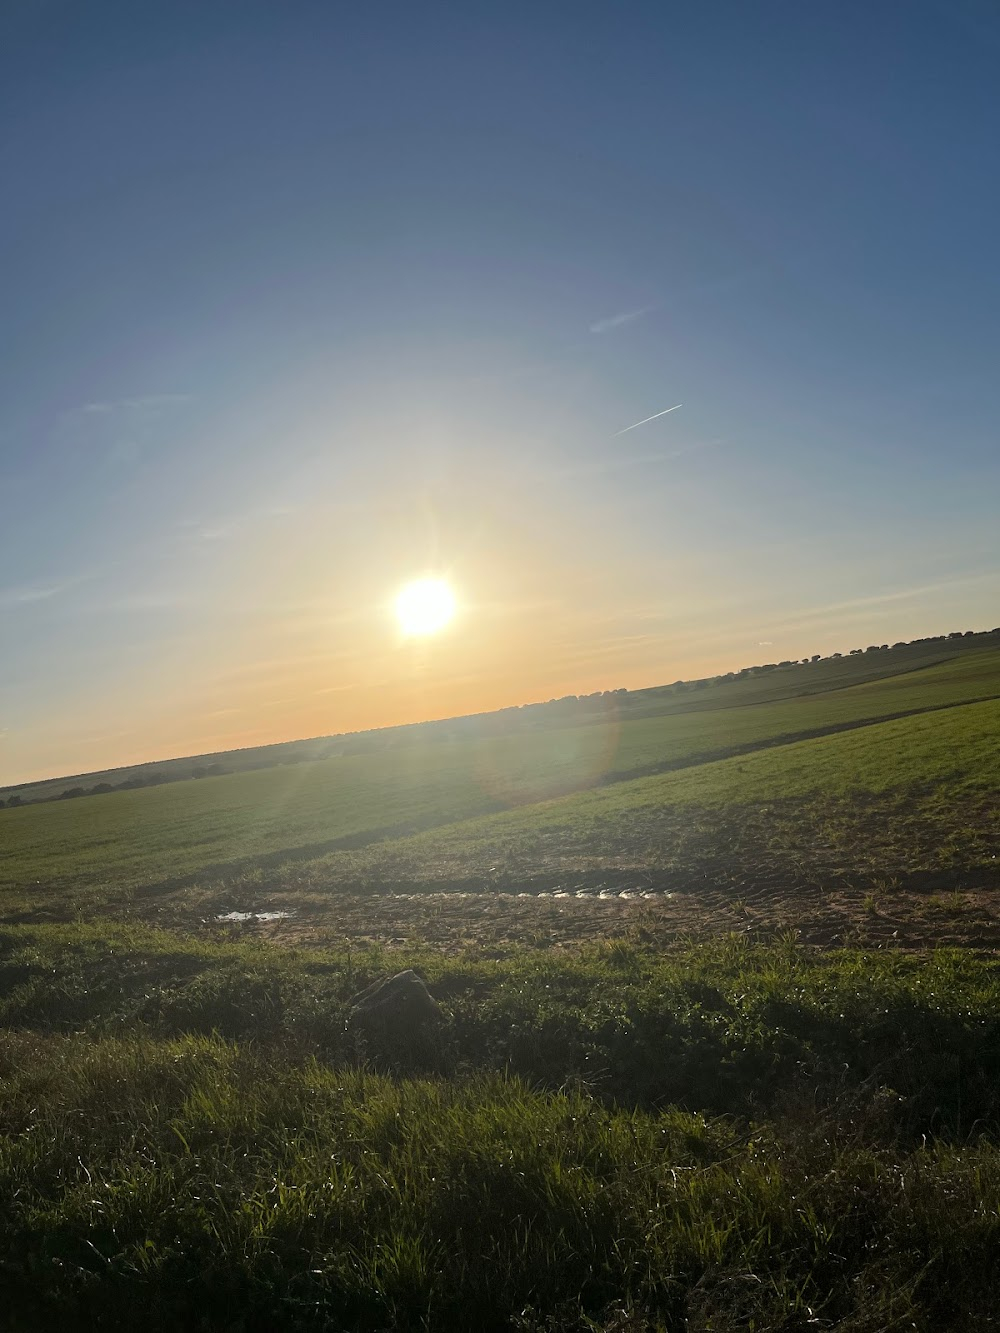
[725,1028]
[726,1138]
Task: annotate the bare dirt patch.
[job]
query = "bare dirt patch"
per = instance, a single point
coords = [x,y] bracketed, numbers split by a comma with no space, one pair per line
[842,915]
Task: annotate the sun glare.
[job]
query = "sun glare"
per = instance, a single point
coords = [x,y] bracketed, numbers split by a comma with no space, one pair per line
[425,606]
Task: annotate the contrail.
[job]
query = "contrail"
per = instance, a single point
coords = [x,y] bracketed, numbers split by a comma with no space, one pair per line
[645,419]
[616,321]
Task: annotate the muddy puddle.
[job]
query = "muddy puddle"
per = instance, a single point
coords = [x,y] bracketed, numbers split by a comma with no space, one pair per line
[254,916]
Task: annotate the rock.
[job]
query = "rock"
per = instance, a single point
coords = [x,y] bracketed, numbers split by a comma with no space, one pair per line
[400,1005]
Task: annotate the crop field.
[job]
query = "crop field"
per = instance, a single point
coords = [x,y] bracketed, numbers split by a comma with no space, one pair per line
[826,807]
[716,1043]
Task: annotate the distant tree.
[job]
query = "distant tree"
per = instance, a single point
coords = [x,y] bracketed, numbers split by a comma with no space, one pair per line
[70,793]
[856,651]
[872,648]
[883,647]
[99,788]
[957,634]
[816,657]
[13,800]
[901,644]
[836,654]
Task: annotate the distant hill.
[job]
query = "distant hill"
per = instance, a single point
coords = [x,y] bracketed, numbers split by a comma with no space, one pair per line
[764,682]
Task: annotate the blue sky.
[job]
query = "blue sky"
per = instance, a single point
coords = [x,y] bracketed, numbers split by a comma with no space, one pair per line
[303,300]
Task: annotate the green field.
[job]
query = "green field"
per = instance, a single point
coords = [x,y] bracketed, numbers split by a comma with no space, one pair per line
[701,1065]
[941,753]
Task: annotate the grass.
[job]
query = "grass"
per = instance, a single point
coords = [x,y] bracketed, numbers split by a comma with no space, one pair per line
[225,1189]
[728,1138]
[914,799]
[954,752]
[726,1028]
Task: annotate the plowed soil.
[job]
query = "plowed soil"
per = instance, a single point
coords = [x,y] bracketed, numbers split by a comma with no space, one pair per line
[837,915]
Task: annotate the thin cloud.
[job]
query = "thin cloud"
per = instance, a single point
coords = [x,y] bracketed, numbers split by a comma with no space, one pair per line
[144,601]
[28,594]
[899,595]
[645,421]
[281,667]
[616,321]
[869,607]
[602,466]
[143,403]
[220,533]
[225,527]
[24,596]
[123,429]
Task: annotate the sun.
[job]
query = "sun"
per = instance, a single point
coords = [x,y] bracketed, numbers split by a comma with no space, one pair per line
[424,606]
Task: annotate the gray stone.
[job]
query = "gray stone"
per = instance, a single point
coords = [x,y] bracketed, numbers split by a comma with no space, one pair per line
[396,1005]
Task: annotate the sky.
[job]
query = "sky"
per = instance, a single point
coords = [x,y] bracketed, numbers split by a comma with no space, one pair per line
[305,300]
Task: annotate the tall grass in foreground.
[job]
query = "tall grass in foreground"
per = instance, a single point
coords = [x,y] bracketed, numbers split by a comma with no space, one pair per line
[727,1137]
[195,1183]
